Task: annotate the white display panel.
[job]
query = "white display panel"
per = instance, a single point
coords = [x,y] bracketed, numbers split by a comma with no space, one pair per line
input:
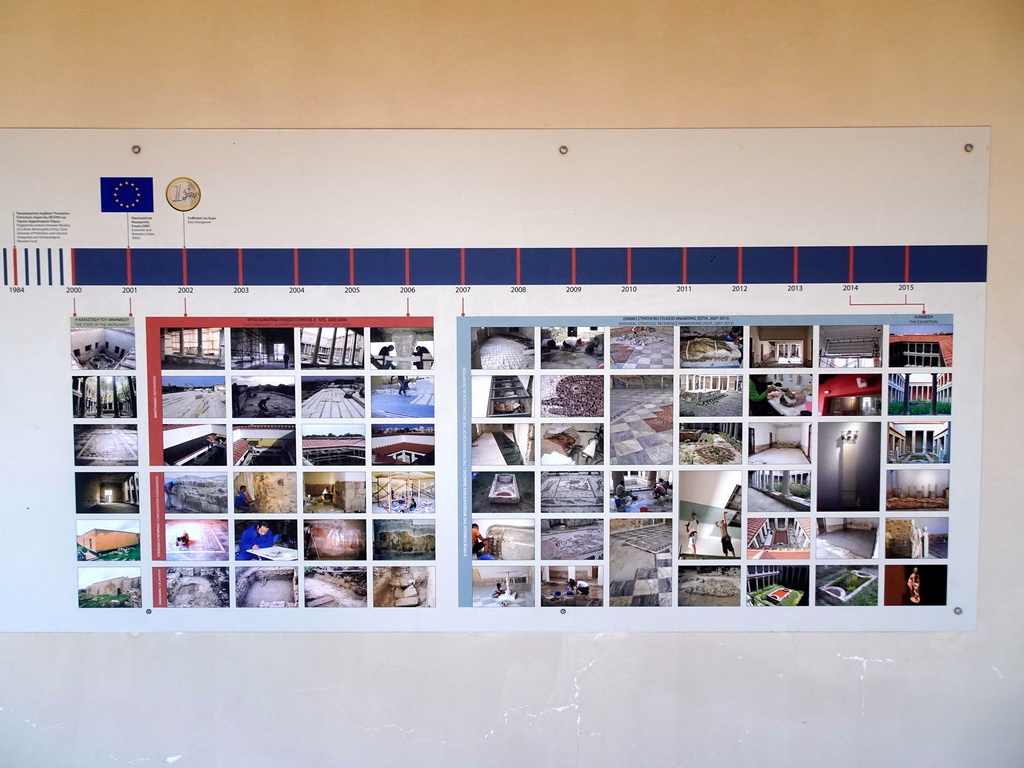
[841,265]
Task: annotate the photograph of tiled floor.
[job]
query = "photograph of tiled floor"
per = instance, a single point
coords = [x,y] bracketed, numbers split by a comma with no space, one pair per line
[642,348]
[779,456]
[385,400]
[506,353]
[208,539]
[641,566]
[851,543]
[641,425]
[110,446]
[572,396]
[573,542]
[572,492]
[333,403]
[187,405]
[499,449]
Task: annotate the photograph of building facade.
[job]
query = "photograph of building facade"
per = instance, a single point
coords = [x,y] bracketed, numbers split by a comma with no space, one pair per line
[777,346]
[189,348]
[920,394]
[103,349]
[331,347]
[103,397]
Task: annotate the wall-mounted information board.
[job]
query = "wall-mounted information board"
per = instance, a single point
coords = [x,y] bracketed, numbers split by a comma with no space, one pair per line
[613,380]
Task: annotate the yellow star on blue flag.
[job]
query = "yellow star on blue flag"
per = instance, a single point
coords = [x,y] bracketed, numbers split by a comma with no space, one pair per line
[120,194]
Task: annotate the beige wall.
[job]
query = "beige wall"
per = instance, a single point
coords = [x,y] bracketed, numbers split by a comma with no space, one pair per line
[518,700]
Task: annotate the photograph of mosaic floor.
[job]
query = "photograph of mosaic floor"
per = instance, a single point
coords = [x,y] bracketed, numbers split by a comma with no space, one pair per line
[709,585]
[572,396]
[642,347]
[641,411]
[572,493]
[571,348]
[556,591]
[196,539]
[503,587]
[636,494]
[641,572]
[114,446]
[503,349]
[571,539]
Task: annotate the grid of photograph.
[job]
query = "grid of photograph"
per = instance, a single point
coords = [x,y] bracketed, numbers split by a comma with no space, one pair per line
[732,465]
[297,466]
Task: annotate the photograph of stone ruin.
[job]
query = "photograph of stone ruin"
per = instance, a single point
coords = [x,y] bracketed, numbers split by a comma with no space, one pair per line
[109,587]
[332,492]
[193,397]
[571,493]
[777,585]
[503,349]
[574,396]
[106,493]
[333,397]
[848,475]
[404,349]
[780,346]
[710,394]
[103,397]
[195,445]
[571,538]
[920,394]
[267,587]
[710,507]
[915,346]
[713,443]
[849,346]
[403,493]
[572,347]
[402,396]
[635,492]
[108,540]
[503,586]
[102,349]
[196,494]
[575,443]
[846,585]
[642,348]
[915,584]
[269,493]
[642,411]
[402,586]
[709,585]
[110,445]
[585,591]
[913,489]
[263,397]
[711,346]
[334,539]
[407,538]
[499,445]
[193,539]
[263,349]
[841,538]
[774,492]
[918,442]
[325,445]
[503,493]
[506,538]
[198,587]
[917,538]
[640,562]
[192,348]
[331,347]
[326,587]
[778,538]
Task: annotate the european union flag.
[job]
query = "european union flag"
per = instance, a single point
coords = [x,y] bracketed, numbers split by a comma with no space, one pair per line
[126,195]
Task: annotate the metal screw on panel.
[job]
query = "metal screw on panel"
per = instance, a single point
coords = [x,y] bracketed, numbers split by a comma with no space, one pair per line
[563,150]
[136,149]
[958,610]
[968,147]
[563,610]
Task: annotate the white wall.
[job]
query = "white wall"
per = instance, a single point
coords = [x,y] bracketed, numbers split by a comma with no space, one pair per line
[850,699]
